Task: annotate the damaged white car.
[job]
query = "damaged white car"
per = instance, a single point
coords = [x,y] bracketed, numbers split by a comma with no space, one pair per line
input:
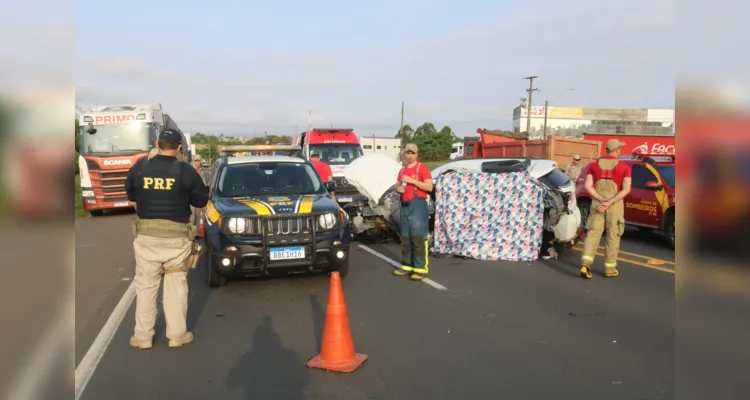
[377,212]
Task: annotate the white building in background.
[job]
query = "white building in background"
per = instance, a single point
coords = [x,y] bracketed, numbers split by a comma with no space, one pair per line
[381,145]
[575,121]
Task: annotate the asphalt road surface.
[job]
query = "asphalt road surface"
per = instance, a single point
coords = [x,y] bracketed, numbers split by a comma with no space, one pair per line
[477,329]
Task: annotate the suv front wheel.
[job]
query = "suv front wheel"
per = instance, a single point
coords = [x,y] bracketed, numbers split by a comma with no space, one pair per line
[214,278]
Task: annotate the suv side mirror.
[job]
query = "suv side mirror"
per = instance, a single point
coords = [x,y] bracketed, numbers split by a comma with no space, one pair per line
[653,185]
[330,185]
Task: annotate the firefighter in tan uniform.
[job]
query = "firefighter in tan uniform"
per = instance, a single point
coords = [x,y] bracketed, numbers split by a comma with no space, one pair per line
[573,169]
[608,182]
[163,188]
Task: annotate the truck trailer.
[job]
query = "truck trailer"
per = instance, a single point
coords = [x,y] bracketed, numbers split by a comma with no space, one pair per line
[557,148]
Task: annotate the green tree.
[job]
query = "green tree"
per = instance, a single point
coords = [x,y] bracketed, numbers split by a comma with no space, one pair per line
[433,145]
[408,133]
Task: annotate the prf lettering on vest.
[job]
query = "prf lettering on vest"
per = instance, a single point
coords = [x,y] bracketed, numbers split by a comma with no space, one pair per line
[158,183]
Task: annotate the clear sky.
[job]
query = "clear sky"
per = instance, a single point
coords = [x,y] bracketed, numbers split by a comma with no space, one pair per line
[238,67]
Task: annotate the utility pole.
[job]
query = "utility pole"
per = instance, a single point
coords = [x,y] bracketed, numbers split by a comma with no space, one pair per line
[546,104]
[401,130]
[531,90]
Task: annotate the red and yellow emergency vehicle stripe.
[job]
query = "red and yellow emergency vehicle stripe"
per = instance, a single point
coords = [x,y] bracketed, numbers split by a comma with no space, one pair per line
[212,213]
[305,205]
[661,195]
[259,207]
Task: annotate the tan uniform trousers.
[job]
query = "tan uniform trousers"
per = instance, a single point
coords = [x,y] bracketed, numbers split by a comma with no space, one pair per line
[613,220]
[152,256]
[573,171]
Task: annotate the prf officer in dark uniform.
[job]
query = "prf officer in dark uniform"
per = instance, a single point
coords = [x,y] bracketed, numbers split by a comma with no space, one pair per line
[164,189]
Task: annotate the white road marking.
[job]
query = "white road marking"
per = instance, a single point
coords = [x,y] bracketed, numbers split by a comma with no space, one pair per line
[398,265]
[90,361]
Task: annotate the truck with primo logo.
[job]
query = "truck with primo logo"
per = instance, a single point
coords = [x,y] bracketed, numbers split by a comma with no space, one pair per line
[337,147]
[112,139]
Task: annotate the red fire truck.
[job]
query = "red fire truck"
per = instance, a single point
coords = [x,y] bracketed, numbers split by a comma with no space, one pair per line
[337,147]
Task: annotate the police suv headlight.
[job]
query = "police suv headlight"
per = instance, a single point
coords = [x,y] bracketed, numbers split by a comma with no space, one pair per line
[237,225]
[327,221]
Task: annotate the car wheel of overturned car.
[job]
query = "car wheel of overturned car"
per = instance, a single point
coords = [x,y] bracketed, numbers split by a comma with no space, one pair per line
[214,278]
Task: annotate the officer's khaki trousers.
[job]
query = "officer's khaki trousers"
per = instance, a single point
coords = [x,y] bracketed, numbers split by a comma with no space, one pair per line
[613,221]
[152,255]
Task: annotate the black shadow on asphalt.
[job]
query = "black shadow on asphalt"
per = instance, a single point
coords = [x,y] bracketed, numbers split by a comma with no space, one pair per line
[268,370]
[196,279]
[318,317]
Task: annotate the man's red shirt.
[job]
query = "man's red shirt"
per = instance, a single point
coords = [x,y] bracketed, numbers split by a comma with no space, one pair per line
[619,172]
[323,170]
[418,172]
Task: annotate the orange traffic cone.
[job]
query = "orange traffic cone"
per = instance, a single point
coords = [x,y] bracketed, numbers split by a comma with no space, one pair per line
[337,351]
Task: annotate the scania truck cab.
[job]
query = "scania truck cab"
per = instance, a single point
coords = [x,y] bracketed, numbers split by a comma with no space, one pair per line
[337,147]
[112,139]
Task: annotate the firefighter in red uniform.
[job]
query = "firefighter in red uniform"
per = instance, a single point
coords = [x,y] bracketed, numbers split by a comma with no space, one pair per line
[608,182]
[414,182]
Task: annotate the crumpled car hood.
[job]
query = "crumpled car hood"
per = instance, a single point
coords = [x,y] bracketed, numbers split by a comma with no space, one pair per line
[372,175]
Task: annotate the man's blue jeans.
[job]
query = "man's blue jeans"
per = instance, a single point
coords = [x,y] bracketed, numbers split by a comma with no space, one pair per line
[415,220]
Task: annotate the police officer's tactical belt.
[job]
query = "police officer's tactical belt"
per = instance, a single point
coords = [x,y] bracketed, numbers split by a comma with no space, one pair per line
[163,228]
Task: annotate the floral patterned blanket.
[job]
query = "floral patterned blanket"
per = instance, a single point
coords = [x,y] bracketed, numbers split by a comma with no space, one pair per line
[489,216]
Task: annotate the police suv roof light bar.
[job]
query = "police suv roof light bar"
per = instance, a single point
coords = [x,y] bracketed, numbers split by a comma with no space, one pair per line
[260,147]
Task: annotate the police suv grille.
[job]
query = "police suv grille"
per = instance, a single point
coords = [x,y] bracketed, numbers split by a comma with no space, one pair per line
[287,225]
[279,226]
[281,230]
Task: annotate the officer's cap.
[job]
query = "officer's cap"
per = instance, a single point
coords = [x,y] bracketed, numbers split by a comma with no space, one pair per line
[171,135]
[614,144]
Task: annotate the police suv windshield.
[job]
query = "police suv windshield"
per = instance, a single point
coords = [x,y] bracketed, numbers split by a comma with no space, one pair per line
[337,154]
[133,137]
[268,178]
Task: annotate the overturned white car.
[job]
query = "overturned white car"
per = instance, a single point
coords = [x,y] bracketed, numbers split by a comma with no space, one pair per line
[377,212]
